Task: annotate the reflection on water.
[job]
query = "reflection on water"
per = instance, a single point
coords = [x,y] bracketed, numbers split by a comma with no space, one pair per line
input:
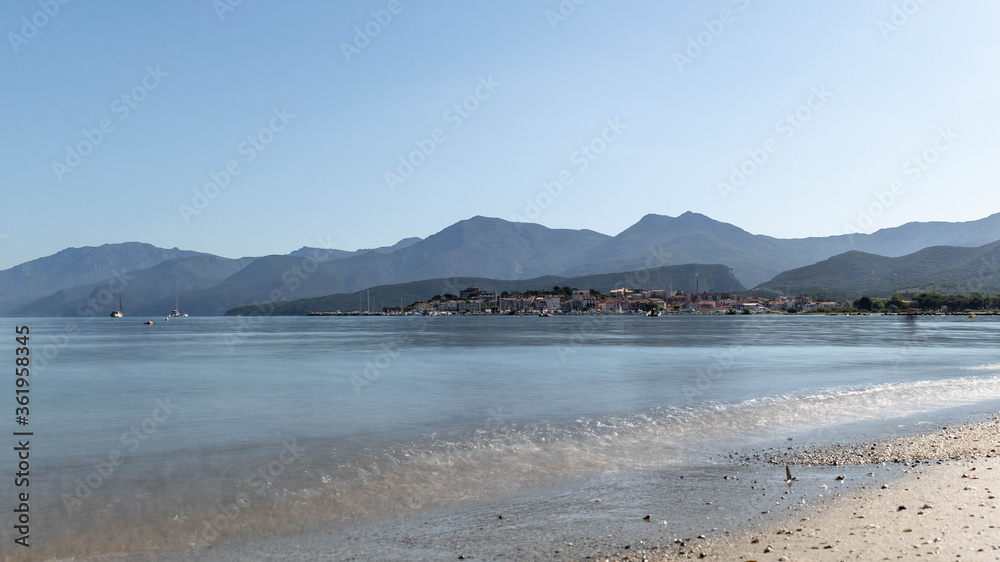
[186,431]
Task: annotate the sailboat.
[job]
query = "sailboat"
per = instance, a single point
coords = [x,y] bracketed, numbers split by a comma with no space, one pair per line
[177,300]
[117,313]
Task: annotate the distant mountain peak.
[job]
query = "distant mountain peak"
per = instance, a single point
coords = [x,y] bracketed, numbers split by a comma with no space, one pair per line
[685,216]
[480,219]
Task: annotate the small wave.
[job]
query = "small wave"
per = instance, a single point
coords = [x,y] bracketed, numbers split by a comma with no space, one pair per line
[986,367]
[333,485]
[440,471]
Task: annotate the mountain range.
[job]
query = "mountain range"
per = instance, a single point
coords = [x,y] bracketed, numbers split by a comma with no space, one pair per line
[332,254]
[755,258]
[149,278]
[77,266]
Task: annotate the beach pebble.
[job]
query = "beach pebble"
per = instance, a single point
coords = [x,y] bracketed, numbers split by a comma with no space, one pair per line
[768,549]
[901,508]
[841,477]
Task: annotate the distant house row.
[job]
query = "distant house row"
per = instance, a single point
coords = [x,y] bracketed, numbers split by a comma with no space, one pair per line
[477,301]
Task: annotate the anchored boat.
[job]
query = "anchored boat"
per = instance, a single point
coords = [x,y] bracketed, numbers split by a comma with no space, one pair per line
[117,313]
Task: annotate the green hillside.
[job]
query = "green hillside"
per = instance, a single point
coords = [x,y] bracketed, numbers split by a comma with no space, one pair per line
[944,269]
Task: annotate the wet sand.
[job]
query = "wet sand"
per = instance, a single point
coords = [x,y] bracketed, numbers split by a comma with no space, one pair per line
[943,504]
[930,494]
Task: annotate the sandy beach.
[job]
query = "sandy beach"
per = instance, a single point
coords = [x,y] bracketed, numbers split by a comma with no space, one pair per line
[942,504]
[927,494]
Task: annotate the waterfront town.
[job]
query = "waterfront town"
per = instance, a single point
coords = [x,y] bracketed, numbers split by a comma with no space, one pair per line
[565,300]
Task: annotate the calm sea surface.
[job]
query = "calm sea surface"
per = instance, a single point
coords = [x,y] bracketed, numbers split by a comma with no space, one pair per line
[200,428]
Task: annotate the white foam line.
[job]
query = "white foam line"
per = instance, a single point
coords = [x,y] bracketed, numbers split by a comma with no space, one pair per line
[986,367]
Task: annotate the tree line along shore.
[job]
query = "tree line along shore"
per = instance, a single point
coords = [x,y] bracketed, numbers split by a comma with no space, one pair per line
[569,300]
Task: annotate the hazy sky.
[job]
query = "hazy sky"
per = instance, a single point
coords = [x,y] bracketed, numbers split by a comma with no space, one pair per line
[637,107]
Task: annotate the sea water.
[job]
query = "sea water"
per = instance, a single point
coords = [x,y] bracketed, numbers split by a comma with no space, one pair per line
[198,431]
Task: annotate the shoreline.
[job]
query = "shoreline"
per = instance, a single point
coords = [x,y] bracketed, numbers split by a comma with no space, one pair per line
[731,506]
[732,510]
[942,501]
[357,314]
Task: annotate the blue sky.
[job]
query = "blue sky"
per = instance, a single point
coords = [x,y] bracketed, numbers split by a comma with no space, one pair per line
[310,128]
